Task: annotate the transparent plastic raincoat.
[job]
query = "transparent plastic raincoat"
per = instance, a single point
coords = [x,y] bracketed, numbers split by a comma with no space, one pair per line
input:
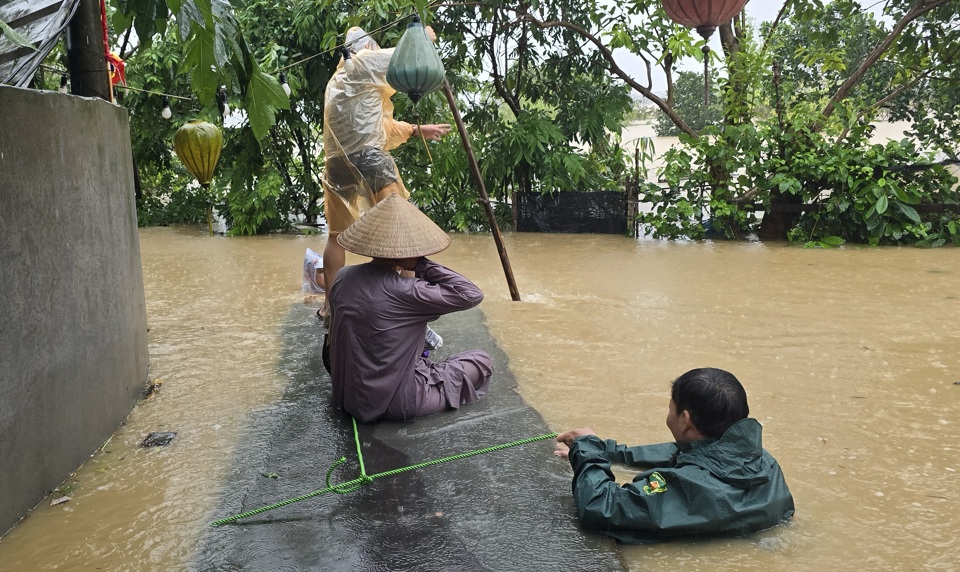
[359,130]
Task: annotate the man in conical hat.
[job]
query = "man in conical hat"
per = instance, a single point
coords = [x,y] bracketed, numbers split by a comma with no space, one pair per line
[379,319]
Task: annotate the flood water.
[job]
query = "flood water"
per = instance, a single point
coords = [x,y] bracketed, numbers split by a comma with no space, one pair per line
[849,357]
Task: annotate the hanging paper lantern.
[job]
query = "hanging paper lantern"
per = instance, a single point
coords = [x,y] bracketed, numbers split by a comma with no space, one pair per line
[415,68]
[704,16]
[198,144]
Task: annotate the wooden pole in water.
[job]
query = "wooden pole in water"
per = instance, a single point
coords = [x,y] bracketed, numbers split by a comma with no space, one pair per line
[484,200]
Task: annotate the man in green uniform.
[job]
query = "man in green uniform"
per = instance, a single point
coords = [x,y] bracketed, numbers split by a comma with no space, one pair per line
[715,479]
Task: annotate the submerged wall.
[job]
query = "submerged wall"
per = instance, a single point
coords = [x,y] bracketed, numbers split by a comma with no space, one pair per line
[73,333]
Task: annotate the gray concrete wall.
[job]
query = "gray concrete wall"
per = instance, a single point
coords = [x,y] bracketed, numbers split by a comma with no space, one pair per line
[73,333]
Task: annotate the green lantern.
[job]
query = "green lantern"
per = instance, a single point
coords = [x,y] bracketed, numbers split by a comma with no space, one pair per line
[415,68]
[198,144]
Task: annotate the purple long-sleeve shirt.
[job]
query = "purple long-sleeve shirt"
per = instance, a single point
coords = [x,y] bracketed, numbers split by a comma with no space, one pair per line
[377,329]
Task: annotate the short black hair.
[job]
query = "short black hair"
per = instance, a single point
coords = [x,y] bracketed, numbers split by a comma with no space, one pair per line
[714,397]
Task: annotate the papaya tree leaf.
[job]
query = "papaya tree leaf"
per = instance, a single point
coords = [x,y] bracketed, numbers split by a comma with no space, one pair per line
[227,32]
[190,13]
[264,97]
[201,62]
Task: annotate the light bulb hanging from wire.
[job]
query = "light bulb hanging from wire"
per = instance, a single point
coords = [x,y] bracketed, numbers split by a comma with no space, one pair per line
[222,102]
[284,84]
[165,112]
[347,60]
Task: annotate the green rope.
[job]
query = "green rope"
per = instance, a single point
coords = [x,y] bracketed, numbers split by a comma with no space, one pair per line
[350,486]
[463,456]
[356,439]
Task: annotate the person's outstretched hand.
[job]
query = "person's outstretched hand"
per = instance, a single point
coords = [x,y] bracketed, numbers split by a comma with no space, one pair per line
[567,439]
[434,131]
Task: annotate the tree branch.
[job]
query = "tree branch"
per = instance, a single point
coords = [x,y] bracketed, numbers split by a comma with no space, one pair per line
[878,104]
[920,8]
[776,23]
[126,40]
[498,85]
[616,70]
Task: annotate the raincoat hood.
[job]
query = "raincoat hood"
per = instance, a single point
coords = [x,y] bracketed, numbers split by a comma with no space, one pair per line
[735,458]
[357,39]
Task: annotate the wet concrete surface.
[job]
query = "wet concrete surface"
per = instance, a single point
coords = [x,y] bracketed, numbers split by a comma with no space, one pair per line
[503,510]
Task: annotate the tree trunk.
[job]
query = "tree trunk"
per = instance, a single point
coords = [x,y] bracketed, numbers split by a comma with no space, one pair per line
[777,223]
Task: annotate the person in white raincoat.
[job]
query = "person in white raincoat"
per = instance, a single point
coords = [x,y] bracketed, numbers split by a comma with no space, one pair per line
[358,133]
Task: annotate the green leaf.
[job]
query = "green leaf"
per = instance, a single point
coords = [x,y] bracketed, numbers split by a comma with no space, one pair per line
[14,37]
[189,15]
[148,17]
[200,60]
[882,204]
[227,32]
[909,212]
[264,97]
[909,198]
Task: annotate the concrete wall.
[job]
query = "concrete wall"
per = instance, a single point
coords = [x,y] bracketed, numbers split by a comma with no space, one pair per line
[73,333]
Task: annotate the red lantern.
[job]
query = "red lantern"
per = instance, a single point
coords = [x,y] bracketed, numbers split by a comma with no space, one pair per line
[704,16]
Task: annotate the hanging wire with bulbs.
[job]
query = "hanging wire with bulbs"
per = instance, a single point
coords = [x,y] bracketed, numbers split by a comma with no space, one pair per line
[223,106]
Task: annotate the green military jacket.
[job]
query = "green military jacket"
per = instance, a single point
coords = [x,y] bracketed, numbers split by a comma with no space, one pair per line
[729,485]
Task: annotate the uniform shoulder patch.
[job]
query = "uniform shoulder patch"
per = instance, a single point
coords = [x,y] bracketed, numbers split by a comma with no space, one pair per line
[655,484]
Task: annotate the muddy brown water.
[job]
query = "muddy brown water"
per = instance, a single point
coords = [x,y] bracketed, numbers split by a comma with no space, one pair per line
[850,358]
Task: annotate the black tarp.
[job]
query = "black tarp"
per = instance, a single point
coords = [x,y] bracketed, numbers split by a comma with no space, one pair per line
[596,212]
[40,22]
[506,510]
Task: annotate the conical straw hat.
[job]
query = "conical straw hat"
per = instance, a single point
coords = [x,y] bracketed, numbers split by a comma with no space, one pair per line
[394,228]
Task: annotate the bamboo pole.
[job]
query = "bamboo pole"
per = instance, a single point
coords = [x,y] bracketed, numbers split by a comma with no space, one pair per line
[484,200]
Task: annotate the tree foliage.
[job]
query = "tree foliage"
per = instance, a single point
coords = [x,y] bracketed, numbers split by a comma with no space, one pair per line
[819,79]
[690,105]
[539,123]
[544,97]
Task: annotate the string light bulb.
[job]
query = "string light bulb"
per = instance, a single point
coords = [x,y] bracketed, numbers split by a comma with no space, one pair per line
[284,84]
[165,112]
[63,83]
[222,102]
[347,60]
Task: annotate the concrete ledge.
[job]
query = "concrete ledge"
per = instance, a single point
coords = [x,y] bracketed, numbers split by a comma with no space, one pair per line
[73,333]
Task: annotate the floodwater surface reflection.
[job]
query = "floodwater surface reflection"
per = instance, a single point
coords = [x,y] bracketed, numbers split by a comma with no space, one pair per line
[849,358]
